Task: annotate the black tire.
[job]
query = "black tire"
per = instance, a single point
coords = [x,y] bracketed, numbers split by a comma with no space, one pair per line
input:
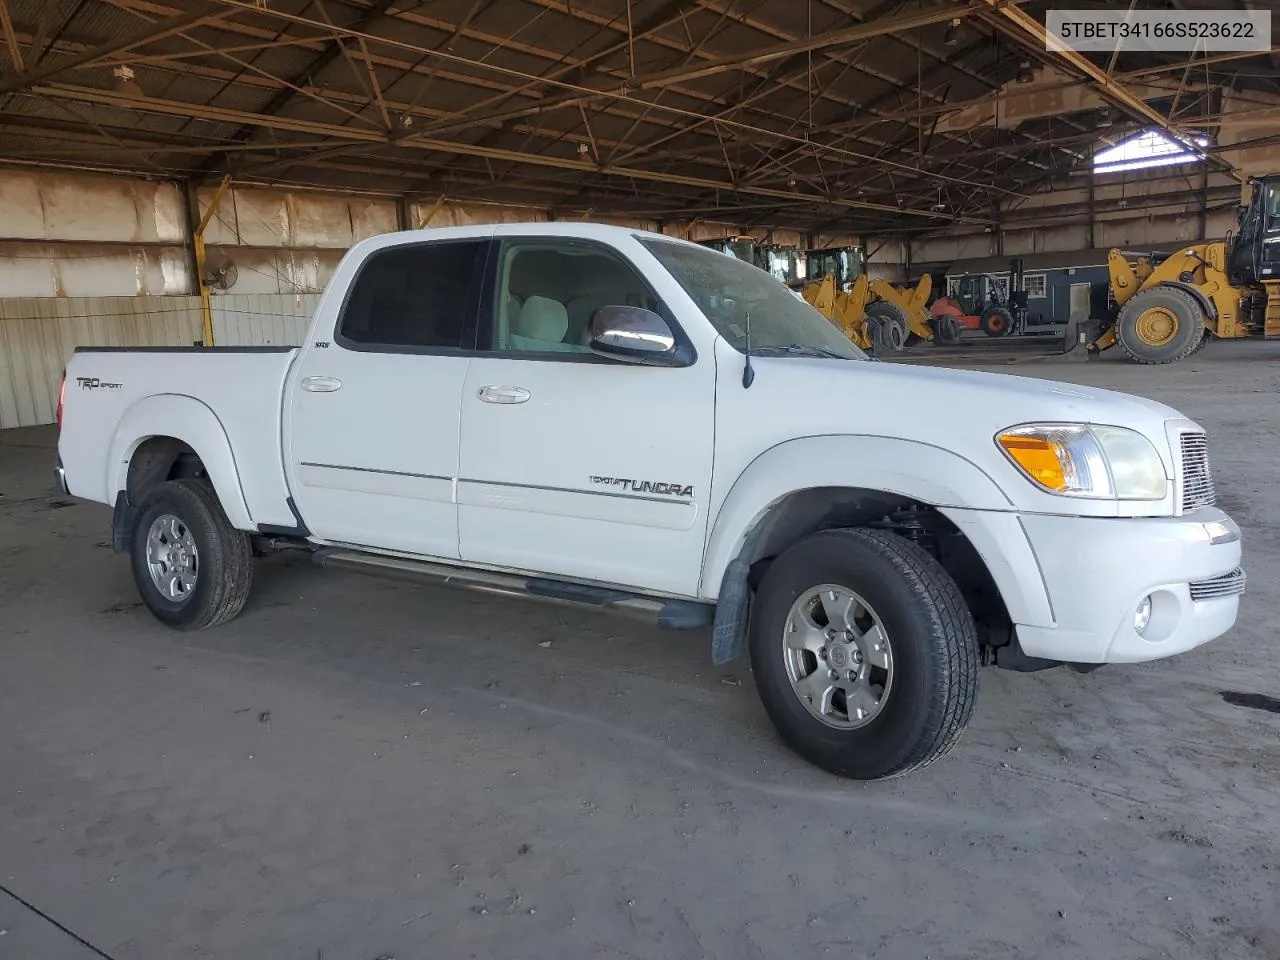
[889,327]
[1204,342]
[996,322]
[931,633]
[946,330]
[224,562]
[1135,333]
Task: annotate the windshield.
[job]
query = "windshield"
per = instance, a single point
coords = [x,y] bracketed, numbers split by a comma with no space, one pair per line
[728,291]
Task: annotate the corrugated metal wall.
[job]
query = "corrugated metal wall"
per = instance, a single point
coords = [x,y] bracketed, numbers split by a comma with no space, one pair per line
[242,320]
[38,334]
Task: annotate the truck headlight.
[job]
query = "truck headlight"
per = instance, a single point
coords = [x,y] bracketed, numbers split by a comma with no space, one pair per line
[1079,460]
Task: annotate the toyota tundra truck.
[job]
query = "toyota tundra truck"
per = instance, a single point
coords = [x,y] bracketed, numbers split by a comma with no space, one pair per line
[603,416]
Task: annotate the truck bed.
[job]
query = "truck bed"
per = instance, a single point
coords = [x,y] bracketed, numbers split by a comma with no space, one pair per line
[242,387]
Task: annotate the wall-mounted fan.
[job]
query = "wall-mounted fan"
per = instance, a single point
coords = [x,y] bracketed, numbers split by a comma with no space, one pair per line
[221,272]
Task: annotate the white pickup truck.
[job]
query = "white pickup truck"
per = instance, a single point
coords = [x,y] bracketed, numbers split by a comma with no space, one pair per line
[606,416]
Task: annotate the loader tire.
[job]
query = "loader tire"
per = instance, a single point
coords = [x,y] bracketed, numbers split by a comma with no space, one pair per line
[1160,325]
[889,327]
[946,330]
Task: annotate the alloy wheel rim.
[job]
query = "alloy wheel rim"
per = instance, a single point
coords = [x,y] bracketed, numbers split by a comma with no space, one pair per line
[838,656]
[172,558]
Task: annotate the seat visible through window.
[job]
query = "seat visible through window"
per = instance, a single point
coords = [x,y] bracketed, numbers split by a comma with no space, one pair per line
[549,291]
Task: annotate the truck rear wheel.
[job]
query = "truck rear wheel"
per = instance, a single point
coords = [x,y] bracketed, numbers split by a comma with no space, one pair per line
[1160,325]
[193,569]
[864,653]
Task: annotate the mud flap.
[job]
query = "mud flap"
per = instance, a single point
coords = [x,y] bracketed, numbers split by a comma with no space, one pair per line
[733,608]
[122,524]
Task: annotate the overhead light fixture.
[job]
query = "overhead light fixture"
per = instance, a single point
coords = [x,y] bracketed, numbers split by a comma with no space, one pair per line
[1104,119]
[406,121]
[952,37]
[125,82]
[1024,72]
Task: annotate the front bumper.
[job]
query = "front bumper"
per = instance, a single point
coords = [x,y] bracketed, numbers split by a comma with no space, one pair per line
[1097,571]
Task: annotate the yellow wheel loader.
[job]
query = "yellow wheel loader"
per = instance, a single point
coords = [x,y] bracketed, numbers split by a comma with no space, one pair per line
[874,314]
[1168,310]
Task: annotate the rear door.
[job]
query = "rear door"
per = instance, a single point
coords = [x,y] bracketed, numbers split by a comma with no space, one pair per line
[372,433]
[571,464]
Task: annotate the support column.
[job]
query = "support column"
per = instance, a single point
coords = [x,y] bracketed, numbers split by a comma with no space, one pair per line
[197,247]
[1093,243]
[190,218]
[1204,203]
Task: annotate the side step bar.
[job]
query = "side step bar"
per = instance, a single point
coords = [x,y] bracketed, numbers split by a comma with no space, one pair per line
[671,614]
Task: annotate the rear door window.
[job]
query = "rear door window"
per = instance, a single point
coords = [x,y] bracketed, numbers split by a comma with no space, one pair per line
[414,298]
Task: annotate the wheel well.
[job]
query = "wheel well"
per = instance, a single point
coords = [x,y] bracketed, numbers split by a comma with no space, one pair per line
[822,508]
[158,459]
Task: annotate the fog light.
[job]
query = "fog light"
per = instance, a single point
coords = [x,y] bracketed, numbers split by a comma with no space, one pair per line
[1142,615]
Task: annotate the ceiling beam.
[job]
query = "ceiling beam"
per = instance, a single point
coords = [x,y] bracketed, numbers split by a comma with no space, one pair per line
[575,93]
[834,38]
[225,115]
[1032,35]
[200,12]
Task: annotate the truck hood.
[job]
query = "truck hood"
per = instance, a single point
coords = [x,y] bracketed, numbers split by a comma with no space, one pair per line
[960,411]
[989,401]
[1033,398]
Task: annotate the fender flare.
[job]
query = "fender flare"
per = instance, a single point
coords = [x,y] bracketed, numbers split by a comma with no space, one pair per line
[1206,303]
[195,424]
[907,468]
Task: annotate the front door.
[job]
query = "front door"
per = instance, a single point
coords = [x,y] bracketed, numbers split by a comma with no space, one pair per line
[570,464]
[1080,302]
[1269,256]
[372,433]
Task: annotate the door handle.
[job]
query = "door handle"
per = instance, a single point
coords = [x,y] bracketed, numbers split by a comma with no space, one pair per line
[504,394]
[321,384]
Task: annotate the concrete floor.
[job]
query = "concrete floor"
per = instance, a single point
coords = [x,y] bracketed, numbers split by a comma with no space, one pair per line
[357,769]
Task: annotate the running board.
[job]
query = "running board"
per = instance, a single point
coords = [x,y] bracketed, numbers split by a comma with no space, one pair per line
[671,614]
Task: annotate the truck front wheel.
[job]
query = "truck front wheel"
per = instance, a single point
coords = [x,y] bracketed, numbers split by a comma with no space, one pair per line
[193,569]
[864,653]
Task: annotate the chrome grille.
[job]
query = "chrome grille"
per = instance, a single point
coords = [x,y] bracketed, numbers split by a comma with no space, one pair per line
[1228,585]
[1197,481]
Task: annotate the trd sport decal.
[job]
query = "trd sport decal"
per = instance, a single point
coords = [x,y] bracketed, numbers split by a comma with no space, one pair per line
[646,486]
[93,383]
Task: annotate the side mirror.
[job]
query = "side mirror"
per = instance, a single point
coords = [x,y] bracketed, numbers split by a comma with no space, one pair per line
[635,335]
